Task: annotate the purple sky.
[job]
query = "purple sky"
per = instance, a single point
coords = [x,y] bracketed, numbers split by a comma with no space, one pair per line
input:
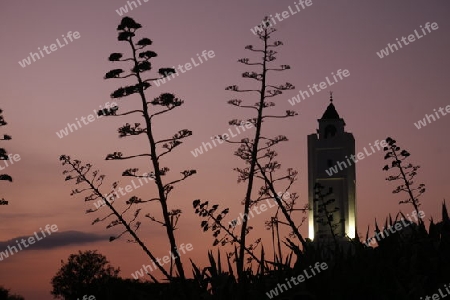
[381,97]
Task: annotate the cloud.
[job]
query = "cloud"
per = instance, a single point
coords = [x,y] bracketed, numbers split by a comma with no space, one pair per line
[56,240]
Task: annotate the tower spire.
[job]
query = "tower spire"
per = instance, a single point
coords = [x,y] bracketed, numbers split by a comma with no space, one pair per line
[331,96]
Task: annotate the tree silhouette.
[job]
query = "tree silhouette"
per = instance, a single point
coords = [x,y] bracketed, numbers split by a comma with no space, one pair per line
[4,156]
[5,295]
[82,274]
[149,110]
[260,157]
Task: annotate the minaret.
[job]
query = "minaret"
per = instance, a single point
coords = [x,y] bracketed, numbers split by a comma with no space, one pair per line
[332,147]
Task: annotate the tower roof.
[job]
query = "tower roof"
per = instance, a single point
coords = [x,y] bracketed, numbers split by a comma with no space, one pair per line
[330,113]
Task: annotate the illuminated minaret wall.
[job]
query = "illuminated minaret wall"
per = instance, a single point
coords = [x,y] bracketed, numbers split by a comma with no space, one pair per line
[330,147]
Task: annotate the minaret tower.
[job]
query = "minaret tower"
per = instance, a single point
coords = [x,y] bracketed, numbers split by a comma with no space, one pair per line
[332,147]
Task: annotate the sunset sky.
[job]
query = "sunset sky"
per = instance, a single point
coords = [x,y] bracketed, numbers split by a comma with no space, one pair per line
[381,97]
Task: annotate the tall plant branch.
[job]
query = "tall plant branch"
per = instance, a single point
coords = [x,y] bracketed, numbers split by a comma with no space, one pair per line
[81,171]
[250,155]
[167,102]
[407,173]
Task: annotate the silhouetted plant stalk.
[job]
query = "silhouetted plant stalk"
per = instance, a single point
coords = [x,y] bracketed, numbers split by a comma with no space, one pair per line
[286,208]
[79,172]
[4,155]
[158,148]
[272,225]
[265,91]
[327,215]
[406,174]
[214,223]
